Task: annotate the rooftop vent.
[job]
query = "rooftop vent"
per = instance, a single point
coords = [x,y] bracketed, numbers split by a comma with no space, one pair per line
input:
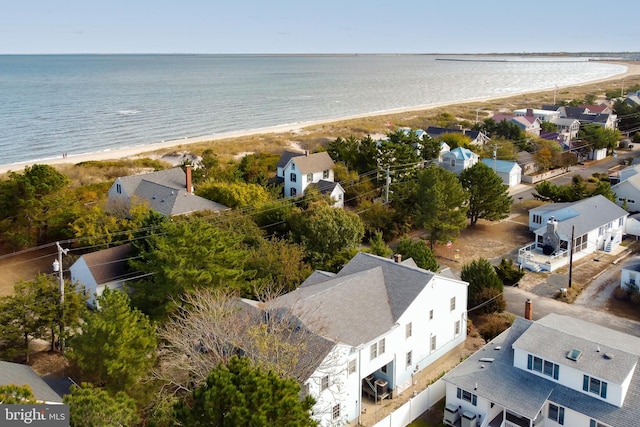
[574,355]
[608,356]
[497,347]
[487,359]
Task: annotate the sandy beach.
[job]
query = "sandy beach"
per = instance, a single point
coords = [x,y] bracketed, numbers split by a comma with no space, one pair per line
[153,149]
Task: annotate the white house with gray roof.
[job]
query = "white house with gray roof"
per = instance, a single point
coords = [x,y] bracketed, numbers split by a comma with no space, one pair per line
[594,224]
[558,371]
[300,170]
[387,320]
[168,191]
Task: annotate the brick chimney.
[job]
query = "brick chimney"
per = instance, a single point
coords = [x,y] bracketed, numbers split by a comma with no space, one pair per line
[528,309]
[397,258]
[529,112]
[188,183]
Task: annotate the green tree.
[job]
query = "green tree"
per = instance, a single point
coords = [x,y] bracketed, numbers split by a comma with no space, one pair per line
[185,254]
[101,227]
[441,204]
[599,137]
[34,310]
[277,263]
[238,394]
[485,287]
[12,394]
[116,345]
[235,195]
[377,245]
[325,231]
[509,273]
[418,250]
[94,407]
[33,205]
[377,216]
[488,197]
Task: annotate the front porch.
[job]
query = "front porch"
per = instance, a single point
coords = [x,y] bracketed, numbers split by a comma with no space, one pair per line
[533,258]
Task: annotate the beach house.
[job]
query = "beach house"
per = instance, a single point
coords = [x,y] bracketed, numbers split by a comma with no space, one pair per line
[169,192]
[557,371]
[458,159]
[381,322]
[592,224]
[102,269]
[297,171]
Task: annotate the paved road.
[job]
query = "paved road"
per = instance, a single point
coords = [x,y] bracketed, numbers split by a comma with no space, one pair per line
[586,310]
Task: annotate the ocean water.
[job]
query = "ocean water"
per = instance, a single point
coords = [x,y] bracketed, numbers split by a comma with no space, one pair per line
[74,104]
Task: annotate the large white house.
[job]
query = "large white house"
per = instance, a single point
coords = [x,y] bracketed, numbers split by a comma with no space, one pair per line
[384,321]
[594,224]
[557,371]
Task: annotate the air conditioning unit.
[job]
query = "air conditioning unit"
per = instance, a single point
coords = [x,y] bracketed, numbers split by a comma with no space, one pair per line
[451,415]
[469,419]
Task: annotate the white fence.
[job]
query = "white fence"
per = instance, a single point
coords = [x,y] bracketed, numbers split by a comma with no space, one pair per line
[416,406]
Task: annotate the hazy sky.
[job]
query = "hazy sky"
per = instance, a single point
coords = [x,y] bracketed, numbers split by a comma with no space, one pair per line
[317,26]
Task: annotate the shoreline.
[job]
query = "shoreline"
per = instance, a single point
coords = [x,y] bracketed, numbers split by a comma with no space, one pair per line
[632,69]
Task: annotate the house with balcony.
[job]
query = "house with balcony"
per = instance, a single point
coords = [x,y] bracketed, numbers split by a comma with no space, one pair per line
[557,371]
[593,224]
[378,322]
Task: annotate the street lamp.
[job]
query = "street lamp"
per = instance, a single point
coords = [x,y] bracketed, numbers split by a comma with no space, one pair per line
[57,268]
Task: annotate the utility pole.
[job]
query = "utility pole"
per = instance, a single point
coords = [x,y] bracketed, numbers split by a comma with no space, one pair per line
[573,229]
[57,267]
[386,186]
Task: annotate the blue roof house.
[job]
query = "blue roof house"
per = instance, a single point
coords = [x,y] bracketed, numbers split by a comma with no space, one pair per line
[458,159]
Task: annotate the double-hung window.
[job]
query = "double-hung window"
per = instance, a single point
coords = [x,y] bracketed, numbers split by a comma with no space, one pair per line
[556,413]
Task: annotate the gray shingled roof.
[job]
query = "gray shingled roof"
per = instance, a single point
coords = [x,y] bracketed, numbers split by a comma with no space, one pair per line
[324,187]
[403,282]
[526,393]
[108,265]
[285,157]
[363,301]
[585,215]
[17,374]
[172,178]
[555,341]
[316,162]
[166,192]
